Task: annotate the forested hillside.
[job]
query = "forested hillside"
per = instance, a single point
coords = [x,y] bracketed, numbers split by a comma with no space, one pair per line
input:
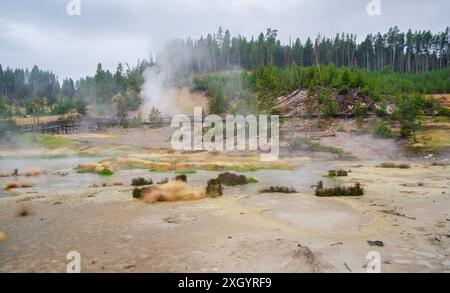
[404,52]
[254,70]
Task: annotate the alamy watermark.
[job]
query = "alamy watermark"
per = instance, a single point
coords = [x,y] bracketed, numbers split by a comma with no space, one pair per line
[74,265]
[374,8]
[73,8]
[374,264]
[213,134]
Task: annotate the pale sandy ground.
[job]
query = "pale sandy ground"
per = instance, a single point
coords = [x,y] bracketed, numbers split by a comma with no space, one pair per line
[259,233]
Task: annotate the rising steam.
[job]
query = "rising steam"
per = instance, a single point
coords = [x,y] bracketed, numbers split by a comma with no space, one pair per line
[162,90]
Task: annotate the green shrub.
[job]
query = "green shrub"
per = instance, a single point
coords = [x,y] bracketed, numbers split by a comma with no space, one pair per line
[105,172]
[214,188]
[181,177]
[382,130]
[355,190]
[337,173]
[230,179]
[141,182]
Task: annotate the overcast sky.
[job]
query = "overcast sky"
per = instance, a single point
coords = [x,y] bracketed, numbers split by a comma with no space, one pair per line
[112,31]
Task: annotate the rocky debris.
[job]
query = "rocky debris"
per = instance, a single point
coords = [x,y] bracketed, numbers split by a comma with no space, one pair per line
[375,243]
[299,103]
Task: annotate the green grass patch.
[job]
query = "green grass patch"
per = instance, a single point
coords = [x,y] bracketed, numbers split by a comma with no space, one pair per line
[302,143]
[105,173]
[186,172]
[155,170]
[43,140]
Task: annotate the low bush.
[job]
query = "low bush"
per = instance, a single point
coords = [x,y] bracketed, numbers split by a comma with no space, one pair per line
[382,130]
[106,172]
[141,182]
[214,188]
[279,189]
[355,190]
[181,177]
[337,173]
[230,179]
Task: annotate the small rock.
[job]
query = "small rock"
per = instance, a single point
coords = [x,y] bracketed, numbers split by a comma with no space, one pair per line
[375,243]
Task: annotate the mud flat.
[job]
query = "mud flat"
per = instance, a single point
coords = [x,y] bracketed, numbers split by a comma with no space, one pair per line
[243,231]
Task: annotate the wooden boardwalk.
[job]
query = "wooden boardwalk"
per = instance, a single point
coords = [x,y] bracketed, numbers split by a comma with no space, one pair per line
[69,127]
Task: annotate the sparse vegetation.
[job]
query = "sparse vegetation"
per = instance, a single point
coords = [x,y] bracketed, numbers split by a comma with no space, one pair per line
[214,188]
[34,172]
[43,140]
[337,173]
[106,172]
[355,190]
[2,236]
[170,192]
[302,144]
[382,130]
[137,193]
[230,179]
[394,166]
[278,189]
[186,171]
[181,177]
[15,185]
[140,181]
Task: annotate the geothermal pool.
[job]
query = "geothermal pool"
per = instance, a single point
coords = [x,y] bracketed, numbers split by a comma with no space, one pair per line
[61,174]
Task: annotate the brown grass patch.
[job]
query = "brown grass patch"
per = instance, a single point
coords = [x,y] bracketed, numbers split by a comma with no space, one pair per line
[14,185]
[2,236]
[92,167]
[171,192]
[34,172]
[395,166]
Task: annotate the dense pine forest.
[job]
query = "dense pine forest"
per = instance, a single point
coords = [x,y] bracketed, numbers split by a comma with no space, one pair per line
[227,67]
[417,51]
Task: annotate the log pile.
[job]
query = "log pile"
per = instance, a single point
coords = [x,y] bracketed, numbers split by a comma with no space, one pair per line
[300,104]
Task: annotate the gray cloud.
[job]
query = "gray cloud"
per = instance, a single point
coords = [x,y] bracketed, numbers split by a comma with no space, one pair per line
[112,31]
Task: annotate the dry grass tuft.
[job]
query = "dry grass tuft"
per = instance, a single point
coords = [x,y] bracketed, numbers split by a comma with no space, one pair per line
[2,236]
[23,210]
[170,192]
[396,166]
[34,172]
[14,185]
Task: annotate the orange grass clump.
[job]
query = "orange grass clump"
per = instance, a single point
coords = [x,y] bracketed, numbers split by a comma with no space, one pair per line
[170,192]
[14,185]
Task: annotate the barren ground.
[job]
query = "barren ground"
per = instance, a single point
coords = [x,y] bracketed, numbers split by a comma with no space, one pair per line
[243,231]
